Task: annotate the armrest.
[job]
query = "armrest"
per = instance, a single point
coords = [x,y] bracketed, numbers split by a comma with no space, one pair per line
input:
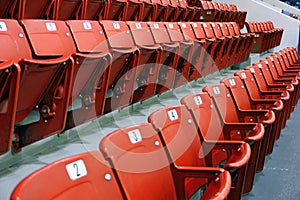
[238,158]
[219,185]
[256,133]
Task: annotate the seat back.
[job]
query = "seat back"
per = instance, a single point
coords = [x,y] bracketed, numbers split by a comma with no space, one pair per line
[139,159]
[205,115]
[174,32]
[159,32]
[199,30]
[83,176]
[208,30]
[238,91]
[9,84]
[141,33]
[31,9]
[187,31]
[67,9]
[223,100]
[94,9]
[117,34]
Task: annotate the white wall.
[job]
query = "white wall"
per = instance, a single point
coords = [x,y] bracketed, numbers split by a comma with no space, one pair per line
[258,11]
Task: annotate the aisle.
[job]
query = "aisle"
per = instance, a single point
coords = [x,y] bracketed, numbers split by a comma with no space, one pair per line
[280,178]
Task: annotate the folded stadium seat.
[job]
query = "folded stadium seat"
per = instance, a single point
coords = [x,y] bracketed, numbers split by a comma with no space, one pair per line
[287,55]
[209,12]
[83,176]
[240,15]
[225,46]
[218,43]
[149,11]
[169,59]
[255,93]
[220,14]
[69,9]
[278,75]
[211,125]
[94,9]
[149,61]
[92,61]
[247,45]
[203,31]
[45,82]
[193,13]
[188,148]
[231,51]
[265,83]
[230,112]
[197,59]
[141,160]
[125,10]
[281,67]
[244,102]
[31,9]
[172,10]
[125,56]
[180,11]
[184,55]
[293,56]
[230,14]
[161,11]
[9,83]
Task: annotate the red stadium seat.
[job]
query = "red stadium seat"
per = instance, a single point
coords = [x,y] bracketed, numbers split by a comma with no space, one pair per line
[83,176]
[141,161]
[31,9]
[121,73]
[46,75]
[9,83]
[92,62]
[94,9]
[212,126]
[188,148]
[148,65]
[169,60]
[69,9]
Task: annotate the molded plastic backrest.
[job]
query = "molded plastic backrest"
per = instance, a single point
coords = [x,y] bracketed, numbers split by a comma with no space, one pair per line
[180,135]
[187,30]
[159,32]
[68,9]
[249,81]
[224,29]
[238,91]
[230,29]
[88,35]
[199,30]
[49,37]
[140,161]
[141,33]
[118,34]
[14,44]
[208,30]
[235,28]
[84,176]
[205,114]
[223,100]
[174,31]
[36,9]
[217,30]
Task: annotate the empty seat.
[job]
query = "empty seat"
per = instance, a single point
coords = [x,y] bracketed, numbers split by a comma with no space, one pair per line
[188,148]
[46,74]
[30,9]
[92,61]
[230,112]
[141,161]
[94,10]
[125,10]
[211,125]
[198,53]
[121,72]
[9,83]
[69,9]
[83,176]
[185,53]
[169,59]
[149,61]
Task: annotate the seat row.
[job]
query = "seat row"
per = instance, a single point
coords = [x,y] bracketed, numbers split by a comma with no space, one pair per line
[59,74]
[129,10]
[266,36]
[220,12]
[214,142]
